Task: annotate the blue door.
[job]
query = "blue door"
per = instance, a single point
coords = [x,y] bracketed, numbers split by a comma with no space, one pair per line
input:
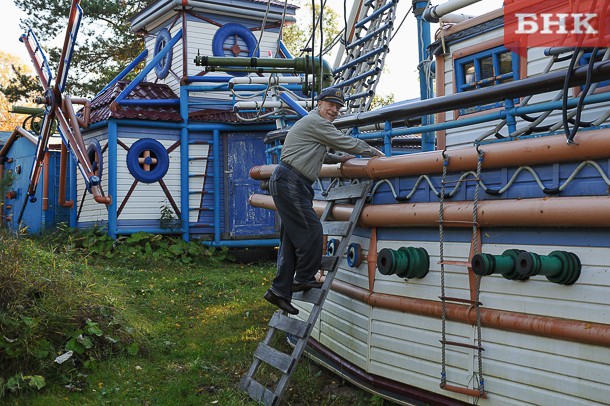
[245,150]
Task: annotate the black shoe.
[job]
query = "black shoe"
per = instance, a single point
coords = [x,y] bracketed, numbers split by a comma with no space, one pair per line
[304,287]
[280,302]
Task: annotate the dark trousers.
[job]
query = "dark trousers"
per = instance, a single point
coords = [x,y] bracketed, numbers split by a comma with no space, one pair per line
[300,251]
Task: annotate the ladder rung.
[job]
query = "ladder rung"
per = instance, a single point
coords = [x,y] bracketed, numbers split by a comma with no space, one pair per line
[258,392]
[329,262]
[459,300]
[346,192]
[465,345]
[289,325]
[309,296]
[275,358]
[458,263]
[201,209]
[284,362]
[465,391]
[336,227]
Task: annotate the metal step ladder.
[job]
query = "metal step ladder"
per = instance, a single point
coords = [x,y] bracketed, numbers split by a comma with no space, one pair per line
[301,330]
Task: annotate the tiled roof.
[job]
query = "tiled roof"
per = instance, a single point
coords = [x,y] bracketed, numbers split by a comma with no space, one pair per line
[103,109]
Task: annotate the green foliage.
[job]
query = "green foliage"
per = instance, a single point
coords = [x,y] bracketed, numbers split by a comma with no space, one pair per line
[5,184]
[124,332]
[168,220]
[105,43]
[380,101]
[54,318]
[297,36]
[140,247]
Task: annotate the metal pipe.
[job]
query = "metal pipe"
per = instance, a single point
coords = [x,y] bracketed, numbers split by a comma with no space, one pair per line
[294,104]
[85,120]
[63,177]
[271,104]
[454,18]
[435,13]
[126,71]
[112,168]
[271,80]
[216,166]
[539,212]
[510,90]
[184,164]
[142,75]
[592,145]
[45,185]
[550,327]
[243,243]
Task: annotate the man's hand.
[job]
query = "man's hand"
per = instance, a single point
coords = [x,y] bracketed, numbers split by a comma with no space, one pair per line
[379,153]
[345,157]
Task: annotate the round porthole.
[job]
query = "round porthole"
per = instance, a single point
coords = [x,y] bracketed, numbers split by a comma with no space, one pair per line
[162,68]
[235,40]
[147,160]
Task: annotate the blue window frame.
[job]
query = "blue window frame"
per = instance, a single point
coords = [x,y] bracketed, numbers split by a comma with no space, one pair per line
[483,69]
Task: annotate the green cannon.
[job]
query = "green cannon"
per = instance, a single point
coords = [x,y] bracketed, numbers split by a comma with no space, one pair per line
[505,264]
[406,262]
[304,65]
[559,266]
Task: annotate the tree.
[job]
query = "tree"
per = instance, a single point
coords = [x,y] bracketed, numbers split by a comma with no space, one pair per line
[11,68]
[298,36]
[380,101]
[105,43]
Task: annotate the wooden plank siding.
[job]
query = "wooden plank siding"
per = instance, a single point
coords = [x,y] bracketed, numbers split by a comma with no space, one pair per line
[200,35]
[91,211]
[518,368]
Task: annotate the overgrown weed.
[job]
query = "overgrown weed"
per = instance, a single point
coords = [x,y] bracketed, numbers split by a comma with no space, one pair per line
[141,330]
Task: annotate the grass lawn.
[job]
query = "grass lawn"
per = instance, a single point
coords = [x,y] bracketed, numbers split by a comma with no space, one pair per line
[195,326]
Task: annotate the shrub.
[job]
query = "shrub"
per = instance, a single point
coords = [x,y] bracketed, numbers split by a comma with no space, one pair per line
[55,319]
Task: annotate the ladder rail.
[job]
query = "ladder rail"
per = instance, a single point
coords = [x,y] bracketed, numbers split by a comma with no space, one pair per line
[286,364]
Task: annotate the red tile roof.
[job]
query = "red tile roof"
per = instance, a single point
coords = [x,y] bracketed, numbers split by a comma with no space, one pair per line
[103,109]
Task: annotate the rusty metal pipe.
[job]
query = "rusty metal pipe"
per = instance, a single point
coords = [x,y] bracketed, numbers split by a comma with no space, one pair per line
[63,177]
[536,151]
[584,211]
[551,327]
[45,186]
[84,121]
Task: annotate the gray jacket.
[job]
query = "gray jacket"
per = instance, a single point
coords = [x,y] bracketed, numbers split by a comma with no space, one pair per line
[308,140]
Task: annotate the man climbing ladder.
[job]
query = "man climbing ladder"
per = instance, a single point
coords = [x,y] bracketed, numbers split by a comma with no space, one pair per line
[301,330]
[305,150]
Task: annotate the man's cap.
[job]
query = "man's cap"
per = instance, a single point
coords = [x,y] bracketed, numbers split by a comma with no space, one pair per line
[332,94]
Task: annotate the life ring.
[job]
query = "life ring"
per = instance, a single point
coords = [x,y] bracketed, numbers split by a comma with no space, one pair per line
[147,160]
[94,152]
[162,68]
[226,43]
